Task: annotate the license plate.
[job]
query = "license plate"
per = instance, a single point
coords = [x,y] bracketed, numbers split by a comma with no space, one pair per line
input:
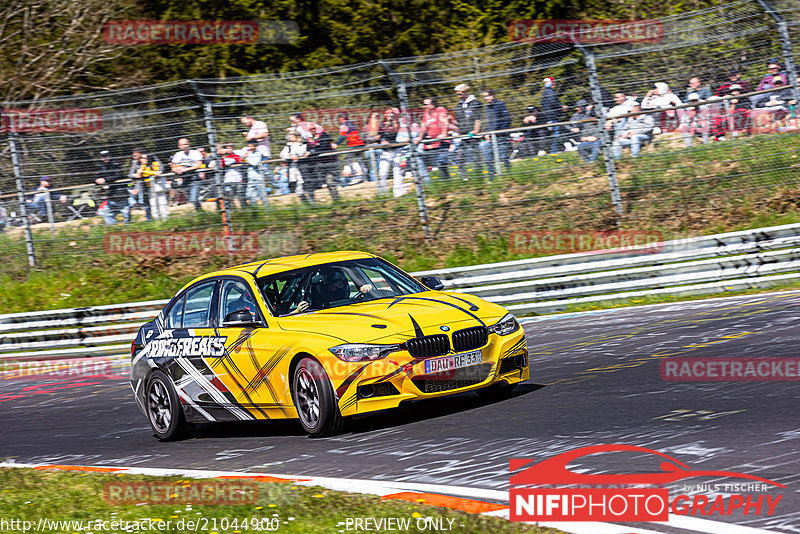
[437,365]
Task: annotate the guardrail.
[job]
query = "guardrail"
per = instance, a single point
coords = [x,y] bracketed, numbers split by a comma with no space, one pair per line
[701,265]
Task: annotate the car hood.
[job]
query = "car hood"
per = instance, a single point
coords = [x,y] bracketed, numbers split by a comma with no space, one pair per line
[406,316]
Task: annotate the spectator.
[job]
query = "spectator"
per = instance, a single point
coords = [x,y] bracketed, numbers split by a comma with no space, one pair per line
[258,133]
[696,86]
[281,178]
[469,125]
[415,153]
[659,98]
[348,132]
[324,165]
[773,69]
[533,142]
[138,189]
[233,181]
[149,175]
[590,141]
[186,163]
[255,193]
[38,204]
[768,82]
[308,130]
[638,131]
[497,118]
[622,106]
[734,78]
[295,152]
[552,112]
[695,121]
[390,157]
[109,175]
[434,126]
[736,117]
[576,128]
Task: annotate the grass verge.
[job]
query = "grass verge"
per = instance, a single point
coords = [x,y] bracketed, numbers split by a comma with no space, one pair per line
[33,495]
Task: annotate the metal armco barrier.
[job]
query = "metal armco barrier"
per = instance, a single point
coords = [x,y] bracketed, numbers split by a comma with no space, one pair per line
[695,266]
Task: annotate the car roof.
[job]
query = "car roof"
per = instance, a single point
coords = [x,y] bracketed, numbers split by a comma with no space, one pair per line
[286,263]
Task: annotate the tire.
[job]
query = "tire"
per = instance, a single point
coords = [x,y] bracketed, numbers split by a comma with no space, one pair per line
[164,409]
[313,397]
[497,391]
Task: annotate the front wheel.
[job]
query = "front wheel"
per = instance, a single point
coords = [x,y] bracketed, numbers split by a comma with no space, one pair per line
[164,409]
[314,399]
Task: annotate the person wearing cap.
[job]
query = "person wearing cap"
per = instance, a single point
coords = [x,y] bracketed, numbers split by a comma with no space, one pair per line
[661,97]
[552,111]
[734,78]
[585,136]
[185,163]
[638,131]
[115,188]
[497,118]
[468,117]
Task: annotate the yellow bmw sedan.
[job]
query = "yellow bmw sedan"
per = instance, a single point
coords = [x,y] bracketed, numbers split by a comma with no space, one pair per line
[317,337]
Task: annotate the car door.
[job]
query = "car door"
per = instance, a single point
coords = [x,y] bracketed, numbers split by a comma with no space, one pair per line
[247,369]
[197,348]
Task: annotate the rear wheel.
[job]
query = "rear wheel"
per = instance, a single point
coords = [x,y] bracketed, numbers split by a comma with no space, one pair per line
[497,391]
[164,409]
[314,399]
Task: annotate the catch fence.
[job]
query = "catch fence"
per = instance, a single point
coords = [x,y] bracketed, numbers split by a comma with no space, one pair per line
[707,162]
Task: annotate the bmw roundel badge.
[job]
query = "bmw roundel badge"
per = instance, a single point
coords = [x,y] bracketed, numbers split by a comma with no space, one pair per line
[444,328]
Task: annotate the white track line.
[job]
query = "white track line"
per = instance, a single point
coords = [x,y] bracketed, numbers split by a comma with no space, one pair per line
[379,487]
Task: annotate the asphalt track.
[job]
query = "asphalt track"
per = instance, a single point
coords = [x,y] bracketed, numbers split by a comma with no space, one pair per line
[596,380]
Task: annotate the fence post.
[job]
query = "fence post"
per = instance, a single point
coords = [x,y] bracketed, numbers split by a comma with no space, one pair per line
[23,208]
[608,156]
[208,116]
[403,96]
[498,167]
[786,45]
[48,200]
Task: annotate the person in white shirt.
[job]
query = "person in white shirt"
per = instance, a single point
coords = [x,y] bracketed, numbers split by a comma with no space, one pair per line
[659,98]
[623,106]
[257,133]
[294,151]
[185,163]
[256,190]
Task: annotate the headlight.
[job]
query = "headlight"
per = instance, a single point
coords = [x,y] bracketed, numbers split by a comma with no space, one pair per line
[507,325]
[360,352]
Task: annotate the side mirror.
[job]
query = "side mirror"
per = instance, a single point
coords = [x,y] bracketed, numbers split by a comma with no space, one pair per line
[431,282]
[239,318]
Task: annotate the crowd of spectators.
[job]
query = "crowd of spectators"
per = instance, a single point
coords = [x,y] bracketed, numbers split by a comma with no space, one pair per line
[389,145]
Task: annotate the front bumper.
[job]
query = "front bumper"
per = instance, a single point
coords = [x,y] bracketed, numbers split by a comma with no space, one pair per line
[385,383]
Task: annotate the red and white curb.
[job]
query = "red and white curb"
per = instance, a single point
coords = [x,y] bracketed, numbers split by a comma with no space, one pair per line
[471,500]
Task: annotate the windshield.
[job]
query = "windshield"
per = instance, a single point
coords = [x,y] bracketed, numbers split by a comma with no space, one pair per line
[335,284]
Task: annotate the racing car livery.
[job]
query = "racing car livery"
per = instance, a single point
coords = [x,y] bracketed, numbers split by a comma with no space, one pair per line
[317,337]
